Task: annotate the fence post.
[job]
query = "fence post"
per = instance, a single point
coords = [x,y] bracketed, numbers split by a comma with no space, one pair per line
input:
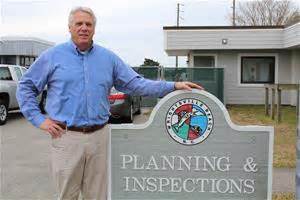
[278,113]
[266,101]
[273,103]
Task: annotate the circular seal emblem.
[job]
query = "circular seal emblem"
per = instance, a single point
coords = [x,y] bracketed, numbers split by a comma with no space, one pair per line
[189,121]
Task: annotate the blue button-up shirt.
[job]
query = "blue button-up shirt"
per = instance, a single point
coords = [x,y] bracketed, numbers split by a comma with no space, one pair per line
[78,85]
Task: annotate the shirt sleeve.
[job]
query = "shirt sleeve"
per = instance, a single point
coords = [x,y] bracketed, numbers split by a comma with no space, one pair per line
[31,85]
[145,87]
[128,81]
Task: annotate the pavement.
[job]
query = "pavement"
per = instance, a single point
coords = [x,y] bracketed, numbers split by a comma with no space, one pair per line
[284,180]
[25,162]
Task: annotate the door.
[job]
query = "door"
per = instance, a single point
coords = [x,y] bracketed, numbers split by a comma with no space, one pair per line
[204,61]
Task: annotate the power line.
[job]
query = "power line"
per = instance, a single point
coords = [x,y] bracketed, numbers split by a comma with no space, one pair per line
[177,24]
[233,13]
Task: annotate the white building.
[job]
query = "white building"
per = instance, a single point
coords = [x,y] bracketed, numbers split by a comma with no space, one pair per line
[21,50]
[251,56]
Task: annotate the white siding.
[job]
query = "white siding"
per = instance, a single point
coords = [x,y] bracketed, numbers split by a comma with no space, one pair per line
[212,39]
[236,93]
[180,41]
[295,66]
[295,73]
[292,36]
[285,74]
[284,42]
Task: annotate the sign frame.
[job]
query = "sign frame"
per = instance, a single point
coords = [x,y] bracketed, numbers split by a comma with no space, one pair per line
[221,106]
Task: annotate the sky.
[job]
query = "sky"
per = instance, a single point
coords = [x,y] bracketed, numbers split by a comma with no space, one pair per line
[131,28]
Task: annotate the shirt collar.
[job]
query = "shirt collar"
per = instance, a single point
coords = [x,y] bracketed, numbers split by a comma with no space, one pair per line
[76,50]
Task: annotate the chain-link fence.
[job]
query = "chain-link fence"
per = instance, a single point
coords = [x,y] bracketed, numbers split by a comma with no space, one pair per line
[212,79]
[153,73]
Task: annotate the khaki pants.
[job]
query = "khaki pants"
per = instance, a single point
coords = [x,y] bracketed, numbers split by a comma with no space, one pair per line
[79,163]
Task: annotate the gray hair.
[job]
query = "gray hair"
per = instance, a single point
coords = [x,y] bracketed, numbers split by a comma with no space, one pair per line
[81,9]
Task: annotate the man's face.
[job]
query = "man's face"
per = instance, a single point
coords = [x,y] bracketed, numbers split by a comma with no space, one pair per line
[82,30]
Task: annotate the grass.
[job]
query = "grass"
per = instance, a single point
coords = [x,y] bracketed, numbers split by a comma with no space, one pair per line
[285,132]
[283,196]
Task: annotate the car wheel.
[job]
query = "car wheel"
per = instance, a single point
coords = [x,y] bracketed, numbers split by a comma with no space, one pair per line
[3,112]
[129,119]
[139,107]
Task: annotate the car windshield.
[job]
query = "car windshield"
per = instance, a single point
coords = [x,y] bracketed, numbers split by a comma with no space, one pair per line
[24,70]
[5,74]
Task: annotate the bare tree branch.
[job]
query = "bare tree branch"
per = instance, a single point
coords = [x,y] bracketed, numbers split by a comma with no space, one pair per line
[267,13]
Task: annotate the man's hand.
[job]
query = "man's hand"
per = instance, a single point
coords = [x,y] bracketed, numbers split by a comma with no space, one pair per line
[186,85]
[52,128]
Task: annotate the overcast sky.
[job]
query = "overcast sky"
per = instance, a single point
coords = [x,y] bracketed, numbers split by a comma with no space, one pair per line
[131,28]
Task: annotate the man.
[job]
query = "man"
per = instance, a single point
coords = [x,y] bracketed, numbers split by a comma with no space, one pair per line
[79,75]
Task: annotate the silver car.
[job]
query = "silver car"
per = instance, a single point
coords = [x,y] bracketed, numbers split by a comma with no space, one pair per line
[10,75]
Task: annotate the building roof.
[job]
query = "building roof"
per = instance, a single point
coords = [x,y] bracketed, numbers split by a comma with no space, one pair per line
[181,40]
[220,27]
[21,38]
[16,45]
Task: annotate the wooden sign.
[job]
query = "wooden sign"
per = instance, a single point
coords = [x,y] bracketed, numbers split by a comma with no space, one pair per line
[190,149]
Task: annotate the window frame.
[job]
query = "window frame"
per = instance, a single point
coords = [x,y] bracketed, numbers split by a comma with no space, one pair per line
[258,55]
[204,55]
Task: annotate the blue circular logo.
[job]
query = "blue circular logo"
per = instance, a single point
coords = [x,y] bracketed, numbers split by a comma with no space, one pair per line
[189,121]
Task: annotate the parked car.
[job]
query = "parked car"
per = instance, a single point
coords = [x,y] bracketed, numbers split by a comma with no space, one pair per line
[42,103]
[123,106]
[10,75]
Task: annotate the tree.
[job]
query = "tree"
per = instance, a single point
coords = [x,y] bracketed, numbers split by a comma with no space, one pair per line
[150,62]
[267,13]
[294,20]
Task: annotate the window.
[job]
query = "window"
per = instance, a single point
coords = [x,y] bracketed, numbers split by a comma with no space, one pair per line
[10,60]
[204,61]
[5,74]
[18,72]
[26,60]
[258,69]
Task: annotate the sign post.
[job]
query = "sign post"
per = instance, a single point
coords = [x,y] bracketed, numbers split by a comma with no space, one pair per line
[190,149]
